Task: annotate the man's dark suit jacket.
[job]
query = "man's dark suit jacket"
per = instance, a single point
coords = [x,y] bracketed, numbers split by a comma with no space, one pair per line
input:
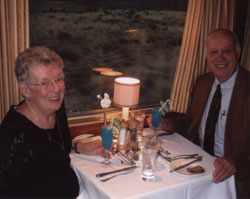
[237,129]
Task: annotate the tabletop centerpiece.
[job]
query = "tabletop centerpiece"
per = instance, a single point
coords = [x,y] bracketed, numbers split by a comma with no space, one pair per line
[106,131]
[105,104]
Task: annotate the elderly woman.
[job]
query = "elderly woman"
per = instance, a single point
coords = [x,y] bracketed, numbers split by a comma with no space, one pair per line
[34,137]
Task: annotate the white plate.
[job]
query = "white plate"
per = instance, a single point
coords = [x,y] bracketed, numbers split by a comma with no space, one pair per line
[84,138]
[184,171]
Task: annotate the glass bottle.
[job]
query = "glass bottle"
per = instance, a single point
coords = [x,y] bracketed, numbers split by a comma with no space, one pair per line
[133,128]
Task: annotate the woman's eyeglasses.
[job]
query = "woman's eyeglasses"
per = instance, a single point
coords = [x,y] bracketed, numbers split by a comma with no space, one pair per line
[48,84]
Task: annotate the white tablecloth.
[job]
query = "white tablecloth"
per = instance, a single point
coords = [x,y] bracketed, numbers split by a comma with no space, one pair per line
[166,185]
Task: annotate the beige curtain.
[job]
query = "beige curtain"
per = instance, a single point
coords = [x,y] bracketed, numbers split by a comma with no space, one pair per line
[14,32]
[202,17]
[245,59]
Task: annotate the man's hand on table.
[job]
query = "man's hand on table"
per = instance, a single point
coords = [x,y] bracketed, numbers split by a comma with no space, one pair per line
[224,168]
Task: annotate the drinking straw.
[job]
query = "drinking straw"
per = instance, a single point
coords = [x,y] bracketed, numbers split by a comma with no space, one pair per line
[171,106]
[167,101]
[111,123]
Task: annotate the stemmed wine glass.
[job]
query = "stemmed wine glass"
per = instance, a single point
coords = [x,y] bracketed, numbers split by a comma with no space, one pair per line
[156,121]
[107,138]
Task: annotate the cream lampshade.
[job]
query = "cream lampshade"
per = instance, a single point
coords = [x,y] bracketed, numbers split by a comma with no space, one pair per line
[126,94]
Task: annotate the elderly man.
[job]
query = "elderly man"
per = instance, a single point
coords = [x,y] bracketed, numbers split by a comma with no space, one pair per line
[225,134]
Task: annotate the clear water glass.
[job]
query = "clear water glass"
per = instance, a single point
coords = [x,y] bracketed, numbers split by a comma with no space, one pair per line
[148,164]
[140,117]
[151,145]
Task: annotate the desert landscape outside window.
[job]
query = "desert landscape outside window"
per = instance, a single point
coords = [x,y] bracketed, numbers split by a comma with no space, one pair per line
[139,38]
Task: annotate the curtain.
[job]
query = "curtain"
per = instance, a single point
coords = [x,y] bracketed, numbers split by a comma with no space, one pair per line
[245,59]
[202,17]
[14,33]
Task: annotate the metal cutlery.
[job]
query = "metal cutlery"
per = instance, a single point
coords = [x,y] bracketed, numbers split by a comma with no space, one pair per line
[185,165]
[124,158]
[187,156]
[119,174]
[115,171]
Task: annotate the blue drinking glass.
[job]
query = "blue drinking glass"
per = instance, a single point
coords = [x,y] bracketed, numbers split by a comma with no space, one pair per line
[156,119]
[107,138]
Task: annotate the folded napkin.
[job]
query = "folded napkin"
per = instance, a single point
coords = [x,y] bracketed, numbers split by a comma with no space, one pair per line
[149,131]
[86,138]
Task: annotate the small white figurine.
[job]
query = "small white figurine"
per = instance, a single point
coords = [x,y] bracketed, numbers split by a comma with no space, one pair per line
[105,102]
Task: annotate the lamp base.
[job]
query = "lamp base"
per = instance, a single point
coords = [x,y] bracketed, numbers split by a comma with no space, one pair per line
[125,113]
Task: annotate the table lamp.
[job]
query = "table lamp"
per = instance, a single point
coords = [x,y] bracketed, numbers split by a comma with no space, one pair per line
[126,94]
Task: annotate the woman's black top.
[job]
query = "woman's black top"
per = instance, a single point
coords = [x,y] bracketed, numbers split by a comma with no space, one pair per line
[35,163]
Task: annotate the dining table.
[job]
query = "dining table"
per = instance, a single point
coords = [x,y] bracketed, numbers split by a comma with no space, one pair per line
[166,184]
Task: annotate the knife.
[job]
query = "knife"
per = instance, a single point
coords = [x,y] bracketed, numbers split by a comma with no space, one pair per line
[115,171]
[185,165]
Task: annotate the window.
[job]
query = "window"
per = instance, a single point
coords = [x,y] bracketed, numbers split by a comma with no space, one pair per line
[139,38]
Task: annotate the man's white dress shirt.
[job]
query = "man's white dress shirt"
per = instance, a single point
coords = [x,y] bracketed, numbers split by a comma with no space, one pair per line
[226,92]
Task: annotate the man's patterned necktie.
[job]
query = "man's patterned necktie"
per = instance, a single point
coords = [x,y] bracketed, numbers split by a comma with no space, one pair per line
[212,119]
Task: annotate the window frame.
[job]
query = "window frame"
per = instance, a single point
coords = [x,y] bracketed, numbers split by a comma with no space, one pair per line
[96,116]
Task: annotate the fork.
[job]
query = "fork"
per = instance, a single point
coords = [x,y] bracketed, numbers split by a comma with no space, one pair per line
[109,178]
[188,156]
